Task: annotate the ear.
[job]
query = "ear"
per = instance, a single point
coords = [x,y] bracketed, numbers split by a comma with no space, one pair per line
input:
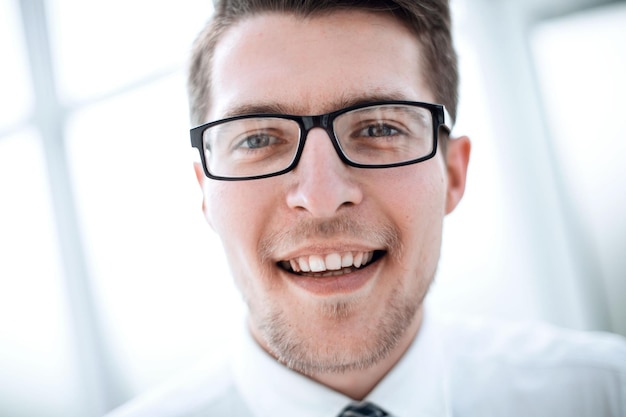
[457,159]
[197,167]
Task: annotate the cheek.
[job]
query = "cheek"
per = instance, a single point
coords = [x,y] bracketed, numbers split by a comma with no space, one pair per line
[416,204]
[239,213]
[230,207]
[417,195]
[229,212]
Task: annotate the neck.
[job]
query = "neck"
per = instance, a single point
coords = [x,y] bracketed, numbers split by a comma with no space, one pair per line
[358,384]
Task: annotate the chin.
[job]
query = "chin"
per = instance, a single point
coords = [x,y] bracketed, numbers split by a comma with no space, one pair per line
[336,334]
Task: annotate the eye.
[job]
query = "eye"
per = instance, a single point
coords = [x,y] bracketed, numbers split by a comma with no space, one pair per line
[257,141]
[378,130]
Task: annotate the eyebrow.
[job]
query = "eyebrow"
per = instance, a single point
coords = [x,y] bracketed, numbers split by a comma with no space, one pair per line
[253,108]
[347,101]
[283,108]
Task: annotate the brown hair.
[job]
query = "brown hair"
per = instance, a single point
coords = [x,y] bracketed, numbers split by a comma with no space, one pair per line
[428,19]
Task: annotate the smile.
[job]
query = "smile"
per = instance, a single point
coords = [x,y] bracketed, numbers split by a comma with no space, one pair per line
[332,264]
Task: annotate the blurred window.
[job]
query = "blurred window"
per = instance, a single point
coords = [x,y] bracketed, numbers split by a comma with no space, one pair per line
[581,67]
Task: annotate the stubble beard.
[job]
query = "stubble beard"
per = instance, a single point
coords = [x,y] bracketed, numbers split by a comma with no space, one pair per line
[290,342]
[296,349]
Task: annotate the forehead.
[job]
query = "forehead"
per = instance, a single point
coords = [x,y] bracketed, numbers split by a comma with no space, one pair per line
[315,64]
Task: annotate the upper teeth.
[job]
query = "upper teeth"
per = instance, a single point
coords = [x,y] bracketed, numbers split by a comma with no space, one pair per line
[329,262]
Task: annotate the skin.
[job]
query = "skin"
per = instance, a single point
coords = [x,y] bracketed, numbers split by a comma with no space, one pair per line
[346,332]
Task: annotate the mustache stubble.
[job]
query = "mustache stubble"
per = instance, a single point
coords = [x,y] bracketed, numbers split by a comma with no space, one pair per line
[382,235]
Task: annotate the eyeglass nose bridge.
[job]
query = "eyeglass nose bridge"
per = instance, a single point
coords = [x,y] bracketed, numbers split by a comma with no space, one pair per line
[310,122]
[325,122]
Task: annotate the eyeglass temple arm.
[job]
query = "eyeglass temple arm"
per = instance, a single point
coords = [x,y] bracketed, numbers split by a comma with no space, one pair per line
[448,123]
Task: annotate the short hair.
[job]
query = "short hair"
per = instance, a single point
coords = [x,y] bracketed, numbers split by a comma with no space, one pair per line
[429,20]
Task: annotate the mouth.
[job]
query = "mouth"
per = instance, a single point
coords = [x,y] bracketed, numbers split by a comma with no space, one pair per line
[331,264]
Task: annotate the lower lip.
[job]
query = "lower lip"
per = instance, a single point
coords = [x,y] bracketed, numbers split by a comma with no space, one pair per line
[342,284]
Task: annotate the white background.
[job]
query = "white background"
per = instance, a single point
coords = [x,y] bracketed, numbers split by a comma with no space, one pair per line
[110,281]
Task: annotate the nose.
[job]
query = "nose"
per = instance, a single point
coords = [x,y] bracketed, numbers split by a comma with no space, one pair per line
[323,183]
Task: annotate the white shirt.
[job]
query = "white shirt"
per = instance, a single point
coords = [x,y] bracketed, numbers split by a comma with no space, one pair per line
[454,368]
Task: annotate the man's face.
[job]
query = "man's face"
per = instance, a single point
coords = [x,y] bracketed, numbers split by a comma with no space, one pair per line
[324,215]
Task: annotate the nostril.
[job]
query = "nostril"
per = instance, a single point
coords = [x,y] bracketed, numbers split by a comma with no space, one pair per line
[324,200]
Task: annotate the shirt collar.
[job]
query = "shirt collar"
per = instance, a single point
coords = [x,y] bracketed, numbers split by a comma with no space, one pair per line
[415,386]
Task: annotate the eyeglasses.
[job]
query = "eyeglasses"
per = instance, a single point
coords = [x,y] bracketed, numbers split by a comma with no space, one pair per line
[374,135]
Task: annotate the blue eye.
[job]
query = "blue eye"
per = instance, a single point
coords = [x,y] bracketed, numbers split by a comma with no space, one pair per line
[257,141]
[380,130]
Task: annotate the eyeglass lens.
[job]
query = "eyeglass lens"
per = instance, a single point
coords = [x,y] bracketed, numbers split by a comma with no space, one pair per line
[369,136]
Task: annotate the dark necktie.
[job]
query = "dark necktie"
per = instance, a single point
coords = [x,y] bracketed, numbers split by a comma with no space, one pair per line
[362,409]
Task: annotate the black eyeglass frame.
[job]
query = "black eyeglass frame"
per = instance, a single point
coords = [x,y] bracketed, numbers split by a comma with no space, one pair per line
[325,121]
